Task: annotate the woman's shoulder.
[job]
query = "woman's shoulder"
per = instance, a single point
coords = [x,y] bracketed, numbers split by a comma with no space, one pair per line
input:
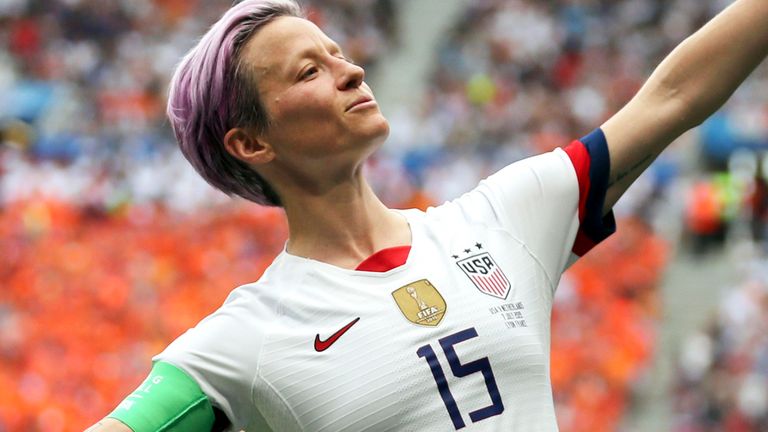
[248,309]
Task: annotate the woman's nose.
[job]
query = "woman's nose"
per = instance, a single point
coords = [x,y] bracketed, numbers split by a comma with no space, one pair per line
[352,76]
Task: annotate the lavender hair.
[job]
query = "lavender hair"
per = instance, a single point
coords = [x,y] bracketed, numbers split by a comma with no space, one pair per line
[213,91]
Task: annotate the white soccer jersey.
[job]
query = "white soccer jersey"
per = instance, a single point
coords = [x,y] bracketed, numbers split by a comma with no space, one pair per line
[457,337]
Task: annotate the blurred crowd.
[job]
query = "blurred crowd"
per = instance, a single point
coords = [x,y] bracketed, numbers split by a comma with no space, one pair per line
[95,199]
[603,328]
[88,298]
[725,202]
[722,384]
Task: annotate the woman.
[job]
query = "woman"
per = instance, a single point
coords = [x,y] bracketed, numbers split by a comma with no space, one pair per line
[375,319]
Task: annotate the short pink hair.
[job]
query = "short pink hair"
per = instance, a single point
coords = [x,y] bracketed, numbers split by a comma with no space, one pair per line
[213,91]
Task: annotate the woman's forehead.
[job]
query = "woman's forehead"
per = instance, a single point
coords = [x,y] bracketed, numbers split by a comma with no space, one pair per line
[275,46]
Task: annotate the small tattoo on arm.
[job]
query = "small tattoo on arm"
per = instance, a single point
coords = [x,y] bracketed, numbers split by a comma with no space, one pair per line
[621,176]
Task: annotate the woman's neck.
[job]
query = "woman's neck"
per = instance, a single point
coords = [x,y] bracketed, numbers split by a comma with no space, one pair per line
[343,227]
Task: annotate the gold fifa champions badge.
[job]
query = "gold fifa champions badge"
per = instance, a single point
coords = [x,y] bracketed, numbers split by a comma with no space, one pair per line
[421,303]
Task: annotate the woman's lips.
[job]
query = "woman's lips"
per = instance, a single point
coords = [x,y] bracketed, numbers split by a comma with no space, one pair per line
[362,102]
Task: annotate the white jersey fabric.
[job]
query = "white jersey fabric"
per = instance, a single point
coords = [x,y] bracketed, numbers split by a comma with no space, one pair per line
[456,338]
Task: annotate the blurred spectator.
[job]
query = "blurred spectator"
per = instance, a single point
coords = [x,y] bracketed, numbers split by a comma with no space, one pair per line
[758,202]
[705,217]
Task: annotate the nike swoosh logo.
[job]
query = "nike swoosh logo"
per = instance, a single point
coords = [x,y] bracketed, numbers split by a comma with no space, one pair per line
[322,345]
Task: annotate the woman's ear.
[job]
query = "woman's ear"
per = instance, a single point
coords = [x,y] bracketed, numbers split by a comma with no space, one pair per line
[247,147]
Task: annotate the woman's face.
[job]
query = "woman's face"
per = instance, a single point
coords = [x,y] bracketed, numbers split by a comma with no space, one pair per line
[321,112]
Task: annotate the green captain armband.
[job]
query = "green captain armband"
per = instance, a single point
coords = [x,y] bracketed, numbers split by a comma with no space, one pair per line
[167,401]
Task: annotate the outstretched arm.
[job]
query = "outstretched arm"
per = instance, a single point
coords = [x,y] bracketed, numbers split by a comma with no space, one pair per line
[691,84]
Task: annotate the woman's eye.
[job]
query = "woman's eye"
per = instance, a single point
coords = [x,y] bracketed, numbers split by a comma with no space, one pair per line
[309,72]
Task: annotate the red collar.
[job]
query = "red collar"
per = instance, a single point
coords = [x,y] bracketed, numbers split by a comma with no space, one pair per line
[385,259]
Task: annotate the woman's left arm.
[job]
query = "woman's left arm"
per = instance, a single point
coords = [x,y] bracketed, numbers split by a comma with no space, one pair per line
[691,84]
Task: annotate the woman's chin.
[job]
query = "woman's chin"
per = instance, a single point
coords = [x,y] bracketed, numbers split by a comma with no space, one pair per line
[381,130]
[375,130]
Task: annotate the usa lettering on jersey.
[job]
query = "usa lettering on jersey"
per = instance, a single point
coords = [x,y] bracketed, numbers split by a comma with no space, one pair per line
[486,275]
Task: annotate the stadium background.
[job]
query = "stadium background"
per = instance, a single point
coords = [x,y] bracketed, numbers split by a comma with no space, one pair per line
[110,246]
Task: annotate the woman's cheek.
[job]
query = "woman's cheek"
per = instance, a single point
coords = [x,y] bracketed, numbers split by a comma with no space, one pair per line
[313,99]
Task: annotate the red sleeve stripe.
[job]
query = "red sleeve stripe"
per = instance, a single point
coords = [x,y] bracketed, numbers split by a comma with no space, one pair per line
[592,164]
[580,160]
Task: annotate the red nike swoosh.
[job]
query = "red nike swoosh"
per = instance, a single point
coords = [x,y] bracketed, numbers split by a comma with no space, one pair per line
[322,345]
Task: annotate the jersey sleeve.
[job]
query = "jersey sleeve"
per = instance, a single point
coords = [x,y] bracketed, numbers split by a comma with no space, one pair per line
[591,162]
[552,203]
[221,354]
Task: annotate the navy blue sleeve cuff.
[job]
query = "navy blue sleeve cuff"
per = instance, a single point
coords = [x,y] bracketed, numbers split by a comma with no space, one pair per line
[594,226]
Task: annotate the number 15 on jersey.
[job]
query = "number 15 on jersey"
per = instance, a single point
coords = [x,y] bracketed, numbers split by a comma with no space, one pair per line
[460,370]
